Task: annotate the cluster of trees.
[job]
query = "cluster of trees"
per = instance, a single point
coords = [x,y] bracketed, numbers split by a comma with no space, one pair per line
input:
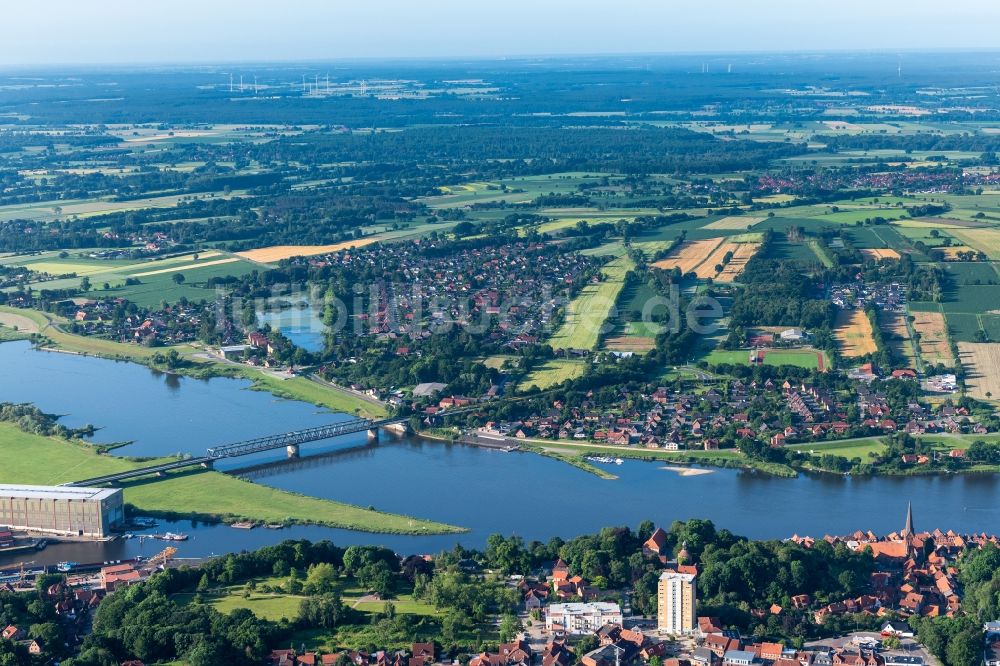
[31,419]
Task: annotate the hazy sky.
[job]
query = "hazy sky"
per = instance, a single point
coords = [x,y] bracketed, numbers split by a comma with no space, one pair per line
[135,31]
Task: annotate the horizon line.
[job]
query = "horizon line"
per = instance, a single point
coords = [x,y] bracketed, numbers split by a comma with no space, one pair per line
[611,55]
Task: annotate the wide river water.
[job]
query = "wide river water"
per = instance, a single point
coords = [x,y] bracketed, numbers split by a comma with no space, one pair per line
[483,490]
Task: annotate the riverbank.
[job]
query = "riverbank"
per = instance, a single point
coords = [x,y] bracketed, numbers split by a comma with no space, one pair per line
[194,494]
[196,364]
[728,458]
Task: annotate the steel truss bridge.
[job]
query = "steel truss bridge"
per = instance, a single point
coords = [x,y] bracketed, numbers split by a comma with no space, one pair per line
[290,441]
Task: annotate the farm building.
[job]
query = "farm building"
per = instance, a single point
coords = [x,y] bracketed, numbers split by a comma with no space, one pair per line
[89,512]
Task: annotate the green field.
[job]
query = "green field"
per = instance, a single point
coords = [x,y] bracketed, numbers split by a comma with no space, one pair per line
[200,494]
[300,388]
[155,276]
[859,448]
[553,372]
[585,315]
[855,216]
[45,211]
[799,358]
[643,329]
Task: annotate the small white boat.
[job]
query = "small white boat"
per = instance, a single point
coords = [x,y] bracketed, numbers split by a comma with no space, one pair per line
[171,536]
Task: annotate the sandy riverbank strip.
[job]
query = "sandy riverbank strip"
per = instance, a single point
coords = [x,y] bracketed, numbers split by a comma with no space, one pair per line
[687,471]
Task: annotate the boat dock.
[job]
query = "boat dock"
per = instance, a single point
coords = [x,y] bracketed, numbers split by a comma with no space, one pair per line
[489,441]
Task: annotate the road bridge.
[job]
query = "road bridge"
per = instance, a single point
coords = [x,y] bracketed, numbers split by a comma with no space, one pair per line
[290,441]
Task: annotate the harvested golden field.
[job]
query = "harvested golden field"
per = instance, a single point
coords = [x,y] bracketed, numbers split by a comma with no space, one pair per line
[951,251]
[897,335]
[707,268]
[743,253]
[982,368]
[734,222]
[269,255]
[689,255]
[984,240]
[933,332]
[879,253]
[854,333]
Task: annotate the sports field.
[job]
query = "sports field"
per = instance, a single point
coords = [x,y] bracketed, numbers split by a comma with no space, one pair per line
[811,359]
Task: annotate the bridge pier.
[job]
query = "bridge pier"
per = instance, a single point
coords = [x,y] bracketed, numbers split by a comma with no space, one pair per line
[373,434]
[293,450]
[399,428]
[208,464]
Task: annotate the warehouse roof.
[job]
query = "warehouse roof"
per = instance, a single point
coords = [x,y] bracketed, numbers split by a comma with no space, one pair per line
[57,492]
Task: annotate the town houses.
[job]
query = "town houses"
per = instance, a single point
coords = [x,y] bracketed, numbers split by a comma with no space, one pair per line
[778,412]
[915,572]
[420,654]
[508,291]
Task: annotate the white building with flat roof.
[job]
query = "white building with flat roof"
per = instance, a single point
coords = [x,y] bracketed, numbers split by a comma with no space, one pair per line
[582,618]
[65,510]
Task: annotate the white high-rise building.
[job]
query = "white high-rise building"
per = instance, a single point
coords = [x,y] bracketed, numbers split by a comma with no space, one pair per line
[677,598]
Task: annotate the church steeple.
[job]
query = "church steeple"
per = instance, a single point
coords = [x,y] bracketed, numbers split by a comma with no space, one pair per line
[908,528]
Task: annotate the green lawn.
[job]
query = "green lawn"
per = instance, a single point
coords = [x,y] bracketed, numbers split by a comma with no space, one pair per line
[301,388]
[643,329]
[553,372]
[267,606]
[586,314]
[859,448]
[34,459]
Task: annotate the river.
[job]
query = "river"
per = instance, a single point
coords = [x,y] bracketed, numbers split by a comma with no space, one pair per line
[486,491]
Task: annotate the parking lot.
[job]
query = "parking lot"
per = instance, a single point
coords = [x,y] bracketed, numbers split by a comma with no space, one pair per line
[908,646]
